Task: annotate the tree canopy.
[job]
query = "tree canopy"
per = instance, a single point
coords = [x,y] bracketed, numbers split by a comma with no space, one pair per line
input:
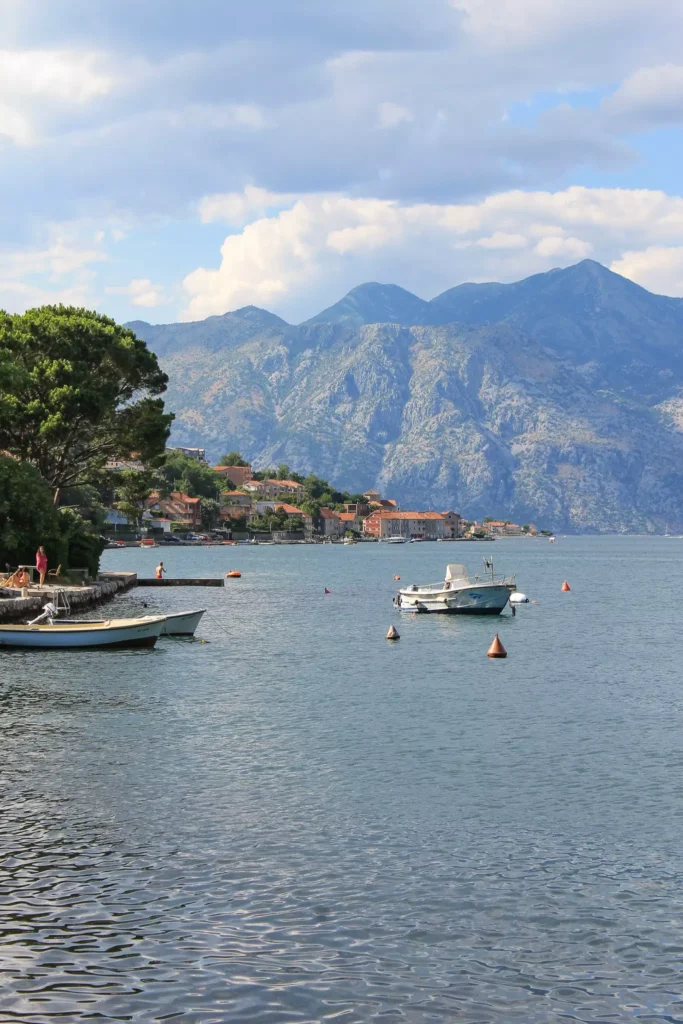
[232,459]
[28,517]
[181,473]
[77,389]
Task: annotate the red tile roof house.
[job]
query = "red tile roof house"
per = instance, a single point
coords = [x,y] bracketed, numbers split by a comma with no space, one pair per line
[273,489]
[416,525]
[452,522]
[351,521]
[331,524]
[236,498]
[179,508]
[238,474]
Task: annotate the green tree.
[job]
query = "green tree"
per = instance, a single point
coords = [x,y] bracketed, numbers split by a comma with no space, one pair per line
[76,389]
[232,459]
[180,473]
[28,516]
[132,492]
[82,543]
[210,513]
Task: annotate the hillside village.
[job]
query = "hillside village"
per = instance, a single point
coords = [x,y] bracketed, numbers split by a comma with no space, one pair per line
[252,503]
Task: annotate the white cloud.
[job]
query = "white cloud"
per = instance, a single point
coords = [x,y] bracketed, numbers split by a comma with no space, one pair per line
[307,255]
[239,208]
[390,115]
[15,126]
[141,291]
[499,240]
[59,270]
[34,83]
[69,76]
[63,254]
[650,97]
[657,268]
[18,296]
[564,248]
[527,24]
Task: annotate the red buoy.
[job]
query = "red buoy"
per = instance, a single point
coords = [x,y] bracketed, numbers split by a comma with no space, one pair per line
[327,591]
[496,650]
[565,586]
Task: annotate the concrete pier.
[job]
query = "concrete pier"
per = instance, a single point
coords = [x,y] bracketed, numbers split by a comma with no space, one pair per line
[15,608]
[191,582]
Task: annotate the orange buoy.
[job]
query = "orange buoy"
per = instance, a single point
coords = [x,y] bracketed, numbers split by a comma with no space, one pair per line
[233,574]
[565,586]
[397,577]
[393,633]
[496,650]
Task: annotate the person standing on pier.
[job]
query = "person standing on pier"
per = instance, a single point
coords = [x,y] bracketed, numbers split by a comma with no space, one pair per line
[160,571]
[41,564]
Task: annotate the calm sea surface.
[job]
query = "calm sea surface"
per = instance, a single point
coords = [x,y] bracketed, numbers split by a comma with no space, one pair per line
[298,821]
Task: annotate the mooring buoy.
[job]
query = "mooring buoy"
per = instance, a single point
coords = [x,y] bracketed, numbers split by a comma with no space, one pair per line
[496,650]
[565,586]
[393,633]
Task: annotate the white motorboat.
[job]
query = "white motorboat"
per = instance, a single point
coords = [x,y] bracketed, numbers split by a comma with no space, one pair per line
[458,594]
[74,634]
[398,540]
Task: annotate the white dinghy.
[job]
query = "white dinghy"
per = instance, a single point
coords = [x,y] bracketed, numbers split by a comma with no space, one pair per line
[458,594]
[71,635]
[182,623]
[176,624]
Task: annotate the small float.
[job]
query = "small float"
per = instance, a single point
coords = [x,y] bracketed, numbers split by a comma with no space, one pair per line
[233,575]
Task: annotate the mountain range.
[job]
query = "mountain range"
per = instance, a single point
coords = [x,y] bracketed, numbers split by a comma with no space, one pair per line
[556,400]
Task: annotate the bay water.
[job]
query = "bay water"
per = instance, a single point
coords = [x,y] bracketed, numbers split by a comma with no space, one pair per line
[291,819]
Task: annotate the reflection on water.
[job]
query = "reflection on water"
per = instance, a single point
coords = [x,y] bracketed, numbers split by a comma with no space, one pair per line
[299,822]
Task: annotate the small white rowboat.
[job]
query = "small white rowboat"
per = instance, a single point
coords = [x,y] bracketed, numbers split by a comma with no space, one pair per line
[74,634]
[177,624]
[182,623]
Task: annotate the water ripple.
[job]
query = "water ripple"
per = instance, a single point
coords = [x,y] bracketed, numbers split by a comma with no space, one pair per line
[297,822]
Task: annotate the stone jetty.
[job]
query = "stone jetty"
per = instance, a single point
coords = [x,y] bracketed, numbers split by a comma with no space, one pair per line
[14,607]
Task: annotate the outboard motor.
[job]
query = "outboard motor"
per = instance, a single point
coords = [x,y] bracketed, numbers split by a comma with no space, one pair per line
[47,615]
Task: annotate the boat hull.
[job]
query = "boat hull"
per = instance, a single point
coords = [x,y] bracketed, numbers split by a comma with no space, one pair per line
[182,623]
[79,636]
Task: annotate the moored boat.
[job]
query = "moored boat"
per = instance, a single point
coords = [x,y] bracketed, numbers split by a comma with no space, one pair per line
[458,594]
[69,635]
[176,624]
[182,623]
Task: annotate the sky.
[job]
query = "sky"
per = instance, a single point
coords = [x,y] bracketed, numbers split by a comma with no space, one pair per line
[167,160]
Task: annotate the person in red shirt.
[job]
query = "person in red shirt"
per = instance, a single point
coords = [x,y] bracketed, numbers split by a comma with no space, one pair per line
[41,564]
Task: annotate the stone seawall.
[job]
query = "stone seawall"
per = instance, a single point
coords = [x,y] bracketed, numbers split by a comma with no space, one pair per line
[16,608]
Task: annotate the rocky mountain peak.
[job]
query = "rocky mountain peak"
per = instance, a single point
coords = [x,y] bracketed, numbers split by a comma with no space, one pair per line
[374,303]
